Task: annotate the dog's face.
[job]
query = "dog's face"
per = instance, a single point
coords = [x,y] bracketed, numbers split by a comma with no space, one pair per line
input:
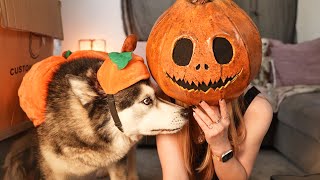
[139,110]
[265,46]
[147,114]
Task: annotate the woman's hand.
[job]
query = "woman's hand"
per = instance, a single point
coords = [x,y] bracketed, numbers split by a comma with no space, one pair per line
[214,121]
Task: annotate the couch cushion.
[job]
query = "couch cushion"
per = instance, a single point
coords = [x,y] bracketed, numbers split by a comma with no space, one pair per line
[296,64]
[299,148]
[302,112]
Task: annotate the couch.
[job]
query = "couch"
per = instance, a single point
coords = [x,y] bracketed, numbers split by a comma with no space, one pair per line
[297,133]
[295,95]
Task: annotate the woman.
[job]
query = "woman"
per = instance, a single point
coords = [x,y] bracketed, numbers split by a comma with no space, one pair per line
[230,132]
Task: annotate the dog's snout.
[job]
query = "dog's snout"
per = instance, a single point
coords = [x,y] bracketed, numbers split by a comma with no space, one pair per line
[186,112]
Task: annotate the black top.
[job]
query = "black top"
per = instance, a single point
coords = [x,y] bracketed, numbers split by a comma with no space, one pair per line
[249,96]
[247,99]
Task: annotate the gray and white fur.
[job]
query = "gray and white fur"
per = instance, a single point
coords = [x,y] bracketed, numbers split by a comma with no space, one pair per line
[79,137]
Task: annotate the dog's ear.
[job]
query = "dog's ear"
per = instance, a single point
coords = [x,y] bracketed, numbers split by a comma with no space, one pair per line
[81,88]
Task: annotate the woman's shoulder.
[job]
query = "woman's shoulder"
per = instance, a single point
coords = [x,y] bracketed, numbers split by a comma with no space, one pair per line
[259,114]
[260,104]
[256,100]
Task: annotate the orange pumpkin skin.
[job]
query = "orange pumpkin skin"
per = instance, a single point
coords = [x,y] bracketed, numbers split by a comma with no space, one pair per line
[203,24]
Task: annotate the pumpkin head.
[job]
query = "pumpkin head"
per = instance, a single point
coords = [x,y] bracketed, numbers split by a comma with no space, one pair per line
[204,50]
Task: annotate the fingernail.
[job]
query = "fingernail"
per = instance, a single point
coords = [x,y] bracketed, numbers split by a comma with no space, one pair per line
[221,100]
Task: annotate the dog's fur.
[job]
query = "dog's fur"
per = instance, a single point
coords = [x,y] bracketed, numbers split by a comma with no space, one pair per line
[79,136]
[263,78]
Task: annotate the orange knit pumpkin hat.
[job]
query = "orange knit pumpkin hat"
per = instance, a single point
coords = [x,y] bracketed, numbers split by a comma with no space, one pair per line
[33,90]
[121,70]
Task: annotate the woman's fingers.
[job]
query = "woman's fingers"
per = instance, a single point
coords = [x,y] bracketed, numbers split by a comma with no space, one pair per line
[204,117]
[209,130]
[224,112]
[212,111]
[207,118]
[201,123]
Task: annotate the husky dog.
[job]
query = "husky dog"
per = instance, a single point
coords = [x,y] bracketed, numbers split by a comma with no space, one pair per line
[79,135]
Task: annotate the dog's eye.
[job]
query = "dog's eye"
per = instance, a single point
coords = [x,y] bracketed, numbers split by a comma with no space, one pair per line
[147,101]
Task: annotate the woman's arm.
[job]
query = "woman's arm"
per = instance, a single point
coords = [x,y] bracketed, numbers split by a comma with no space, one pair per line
[169,151]
[171,159]
[257,120]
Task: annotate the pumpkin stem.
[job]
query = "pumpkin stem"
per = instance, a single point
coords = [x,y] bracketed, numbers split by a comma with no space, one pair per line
[130,43]
[200,1]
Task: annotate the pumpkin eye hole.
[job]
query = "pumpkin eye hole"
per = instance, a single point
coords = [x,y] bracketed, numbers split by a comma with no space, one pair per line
[182,52]
[222,50]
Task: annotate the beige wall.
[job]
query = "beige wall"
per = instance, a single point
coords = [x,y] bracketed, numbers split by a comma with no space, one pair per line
[92,19]
[308,20]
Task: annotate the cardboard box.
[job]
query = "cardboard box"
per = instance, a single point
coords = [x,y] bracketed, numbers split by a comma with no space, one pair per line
[27,30]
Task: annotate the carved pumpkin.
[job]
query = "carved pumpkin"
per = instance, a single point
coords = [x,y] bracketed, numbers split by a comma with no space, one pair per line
[204,50]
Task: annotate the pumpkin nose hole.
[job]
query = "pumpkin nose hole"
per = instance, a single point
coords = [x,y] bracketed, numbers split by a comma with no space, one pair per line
[198,67]
[206,66]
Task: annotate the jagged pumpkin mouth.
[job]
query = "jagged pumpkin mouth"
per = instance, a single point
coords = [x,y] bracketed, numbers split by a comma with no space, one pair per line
[217,85]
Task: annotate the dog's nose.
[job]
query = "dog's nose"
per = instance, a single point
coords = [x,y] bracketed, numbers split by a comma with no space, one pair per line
[186,112]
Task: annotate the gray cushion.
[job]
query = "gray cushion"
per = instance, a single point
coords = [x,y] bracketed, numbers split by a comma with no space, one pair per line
[299,148]
[302,112]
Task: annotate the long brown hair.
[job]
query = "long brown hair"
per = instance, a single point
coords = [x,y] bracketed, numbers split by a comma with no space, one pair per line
[192,145]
